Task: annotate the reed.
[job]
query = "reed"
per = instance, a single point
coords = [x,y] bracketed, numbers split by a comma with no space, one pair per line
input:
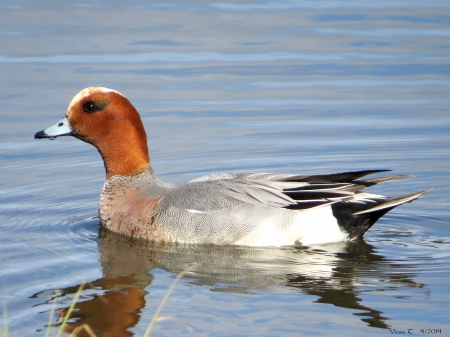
[67,316]
[154,320]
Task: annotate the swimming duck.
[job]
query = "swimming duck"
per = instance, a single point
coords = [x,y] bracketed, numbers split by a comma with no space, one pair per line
[253,209]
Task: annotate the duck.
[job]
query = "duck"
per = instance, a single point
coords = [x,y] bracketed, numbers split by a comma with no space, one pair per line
[248,209]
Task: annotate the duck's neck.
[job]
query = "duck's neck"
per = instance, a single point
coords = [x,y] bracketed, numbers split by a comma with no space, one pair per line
[125,153]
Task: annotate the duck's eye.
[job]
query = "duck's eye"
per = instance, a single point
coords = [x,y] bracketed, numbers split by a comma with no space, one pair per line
[89,107]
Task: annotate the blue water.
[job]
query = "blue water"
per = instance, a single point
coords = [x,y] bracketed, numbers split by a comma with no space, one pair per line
[282,86]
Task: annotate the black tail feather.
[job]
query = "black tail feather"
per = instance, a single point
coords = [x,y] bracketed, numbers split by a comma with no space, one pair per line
[355,225]
[357,217]
[355,212]
[343,177]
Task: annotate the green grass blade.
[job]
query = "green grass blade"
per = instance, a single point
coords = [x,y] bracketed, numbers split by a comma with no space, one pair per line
[52,311]
[69,312]
[4,329]
[164,300]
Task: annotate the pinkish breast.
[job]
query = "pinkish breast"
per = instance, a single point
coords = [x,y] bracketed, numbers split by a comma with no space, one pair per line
[124,210]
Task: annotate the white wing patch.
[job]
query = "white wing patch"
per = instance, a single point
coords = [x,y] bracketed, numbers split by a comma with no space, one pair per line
[194,211]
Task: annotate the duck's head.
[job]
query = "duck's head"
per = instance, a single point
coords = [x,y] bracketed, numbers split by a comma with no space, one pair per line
[106,119]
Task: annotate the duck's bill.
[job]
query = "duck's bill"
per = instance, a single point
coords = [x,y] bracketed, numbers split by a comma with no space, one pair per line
[62,128]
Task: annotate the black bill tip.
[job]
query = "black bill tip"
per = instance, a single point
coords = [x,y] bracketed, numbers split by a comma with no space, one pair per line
[40,135]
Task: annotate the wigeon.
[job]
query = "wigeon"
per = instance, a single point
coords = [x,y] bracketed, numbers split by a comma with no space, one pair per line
[253,209]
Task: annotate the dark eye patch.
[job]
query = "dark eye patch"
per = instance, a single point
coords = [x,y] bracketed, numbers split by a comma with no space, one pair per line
[89,107]
[93,106]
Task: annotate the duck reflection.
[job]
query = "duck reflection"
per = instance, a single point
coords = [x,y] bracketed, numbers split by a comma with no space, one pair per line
[111,305]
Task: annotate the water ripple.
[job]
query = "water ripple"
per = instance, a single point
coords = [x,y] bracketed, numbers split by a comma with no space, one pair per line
[189,57]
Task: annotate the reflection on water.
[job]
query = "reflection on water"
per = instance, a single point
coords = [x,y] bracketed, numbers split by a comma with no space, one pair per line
[112,304]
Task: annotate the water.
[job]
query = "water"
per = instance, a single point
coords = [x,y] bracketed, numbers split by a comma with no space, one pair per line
[298,86]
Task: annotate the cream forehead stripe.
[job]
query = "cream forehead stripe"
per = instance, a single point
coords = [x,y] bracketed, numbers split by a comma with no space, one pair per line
[106,90]
[89,91]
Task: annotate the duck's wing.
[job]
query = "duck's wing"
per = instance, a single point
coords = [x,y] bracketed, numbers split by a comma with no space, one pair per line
[219,191]
[277,190]
[343,177]
[252,208]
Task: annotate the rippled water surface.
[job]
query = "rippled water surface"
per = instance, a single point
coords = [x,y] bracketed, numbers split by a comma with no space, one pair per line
[270,86]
